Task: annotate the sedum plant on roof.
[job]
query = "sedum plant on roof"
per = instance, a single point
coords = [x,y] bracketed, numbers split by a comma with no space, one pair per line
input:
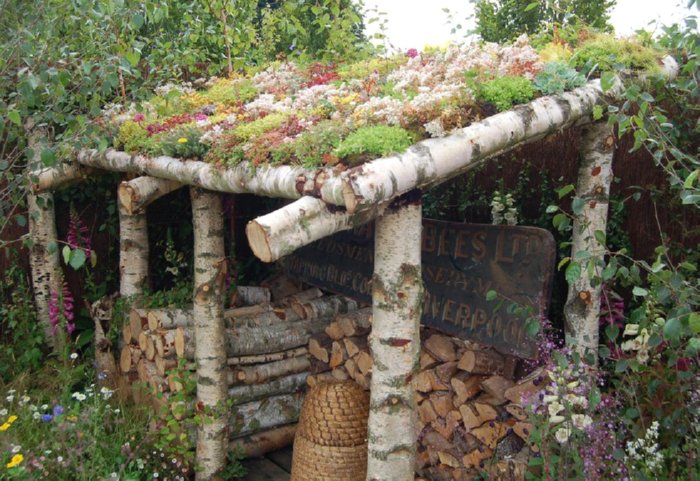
[316,114]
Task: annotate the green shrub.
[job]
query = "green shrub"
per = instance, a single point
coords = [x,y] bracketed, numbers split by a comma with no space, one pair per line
[557,77]
[505,91]
[131,137]
[258,127]
[317,145]
[604,52]
[184,143]
[371,142]
[230,92]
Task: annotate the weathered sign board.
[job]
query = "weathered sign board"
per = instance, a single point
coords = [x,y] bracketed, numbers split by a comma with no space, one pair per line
[460,264]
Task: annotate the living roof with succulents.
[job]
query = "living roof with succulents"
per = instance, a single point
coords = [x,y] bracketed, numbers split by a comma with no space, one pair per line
[317,114]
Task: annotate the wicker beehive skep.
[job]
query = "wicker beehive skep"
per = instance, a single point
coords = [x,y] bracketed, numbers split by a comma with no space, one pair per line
[331,441]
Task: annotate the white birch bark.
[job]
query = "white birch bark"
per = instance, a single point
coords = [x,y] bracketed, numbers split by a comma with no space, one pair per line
[136,194]
[43,254]
[274,181]
[208,310]
[395,343]
[133,253]
[302,222]
[582,308]
[47,179]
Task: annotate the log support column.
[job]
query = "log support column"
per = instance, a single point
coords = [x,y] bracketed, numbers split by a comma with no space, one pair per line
[43,254]
[582,308]
[210,349]
[395,341]
[133,253]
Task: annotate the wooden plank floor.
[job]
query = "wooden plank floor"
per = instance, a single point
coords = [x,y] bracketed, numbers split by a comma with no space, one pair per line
[275,466]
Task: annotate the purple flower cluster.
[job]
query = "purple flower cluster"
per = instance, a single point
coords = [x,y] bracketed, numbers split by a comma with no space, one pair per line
[55,314]
[79,234]
[412,53]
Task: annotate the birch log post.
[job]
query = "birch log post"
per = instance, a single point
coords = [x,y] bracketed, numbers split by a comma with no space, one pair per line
[51,178]
[582,308]
[208,310]
[135,195]
[395,343]
[43,255]
[133,253]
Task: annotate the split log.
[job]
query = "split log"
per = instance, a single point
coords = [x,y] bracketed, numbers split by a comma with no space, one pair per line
[128,358]
[260,415]
[442,348]
[517,411]
[261,373]
[482,362]
[338,355]
[318,347]
[476,458]
[136,194]
[364,362]
[247,310]
[355,345]
[250,341]
[164,365]
[490,434]
[209,350]
[149,375]
[357,323]
[137,322]
[168,318]
[281,286]
[264,442]
[394,342]
[319,378]
[126,334]
[475,414]
[150,350]
[582,308]
[496,386]
[302,296]
[526,387]
[251,295]
[324,307]
[466,388]
[283,385]
[340,374]
[263,358]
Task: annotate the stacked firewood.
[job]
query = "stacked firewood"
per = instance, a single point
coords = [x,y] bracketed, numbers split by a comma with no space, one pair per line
[267,359]
[470,416]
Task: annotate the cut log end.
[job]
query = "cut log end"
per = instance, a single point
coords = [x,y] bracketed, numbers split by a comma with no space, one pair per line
[258,240]
[125,195]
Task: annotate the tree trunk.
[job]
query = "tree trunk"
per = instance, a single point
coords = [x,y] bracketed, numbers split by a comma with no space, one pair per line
[395,343]
[582,308]
[48,179]
[208,310]
[133,253]
[43,254]
[135,195]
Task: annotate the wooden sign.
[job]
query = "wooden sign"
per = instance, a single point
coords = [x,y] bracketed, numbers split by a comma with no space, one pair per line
[460,264]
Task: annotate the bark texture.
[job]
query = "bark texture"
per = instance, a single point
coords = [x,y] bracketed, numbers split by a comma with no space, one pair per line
[43,255]
[136,194]
[582,308]
[395,343]
[281,232]
[208,310]
[52,178]
[133,253]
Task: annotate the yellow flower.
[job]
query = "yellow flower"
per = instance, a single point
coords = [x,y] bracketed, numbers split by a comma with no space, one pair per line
[16,459]
[12,419]
[5,427]
[72,418]
[182,140]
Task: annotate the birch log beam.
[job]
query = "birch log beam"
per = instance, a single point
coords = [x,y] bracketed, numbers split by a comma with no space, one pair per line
[133,253]
[208,310]
[281,232]
[395,343]
[582,308]
[52,178]
[136,194]
[43,255]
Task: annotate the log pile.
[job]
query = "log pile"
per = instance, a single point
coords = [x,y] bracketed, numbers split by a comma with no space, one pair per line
[470,414]
[266,345]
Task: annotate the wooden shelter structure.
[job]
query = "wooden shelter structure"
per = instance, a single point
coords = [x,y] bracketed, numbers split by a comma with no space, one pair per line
[326,201]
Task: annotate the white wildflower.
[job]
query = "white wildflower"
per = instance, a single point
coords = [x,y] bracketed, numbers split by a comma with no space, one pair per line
[74,356]
[562,434]
[16,449]
[555,408]
[78,396]
[631,330]
[581,421]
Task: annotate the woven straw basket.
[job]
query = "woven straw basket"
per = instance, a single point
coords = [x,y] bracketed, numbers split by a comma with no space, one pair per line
[331,441]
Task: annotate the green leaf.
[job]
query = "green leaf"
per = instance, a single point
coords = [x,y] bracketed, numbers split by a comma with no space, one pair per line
[48,158]
[640,291]
[563,262]
[77,258]
[594,399]
[565,190]
[691,179]
[694,322]
[609,272]
[14,117]
[531,6]
[51,247]
[597,112]
[21,220]
[577,205]
[672,329]
[551,209]
[133,58]
[600,237]
[573,272]
[621,366]
[491,295]
[66,254]
[607,80]
[632,413]
[694,344]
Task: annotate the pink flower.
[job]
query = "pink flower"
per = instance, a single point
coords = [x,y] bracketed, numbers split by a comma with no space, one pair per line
[139,118]
[199,116]
[412,53]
